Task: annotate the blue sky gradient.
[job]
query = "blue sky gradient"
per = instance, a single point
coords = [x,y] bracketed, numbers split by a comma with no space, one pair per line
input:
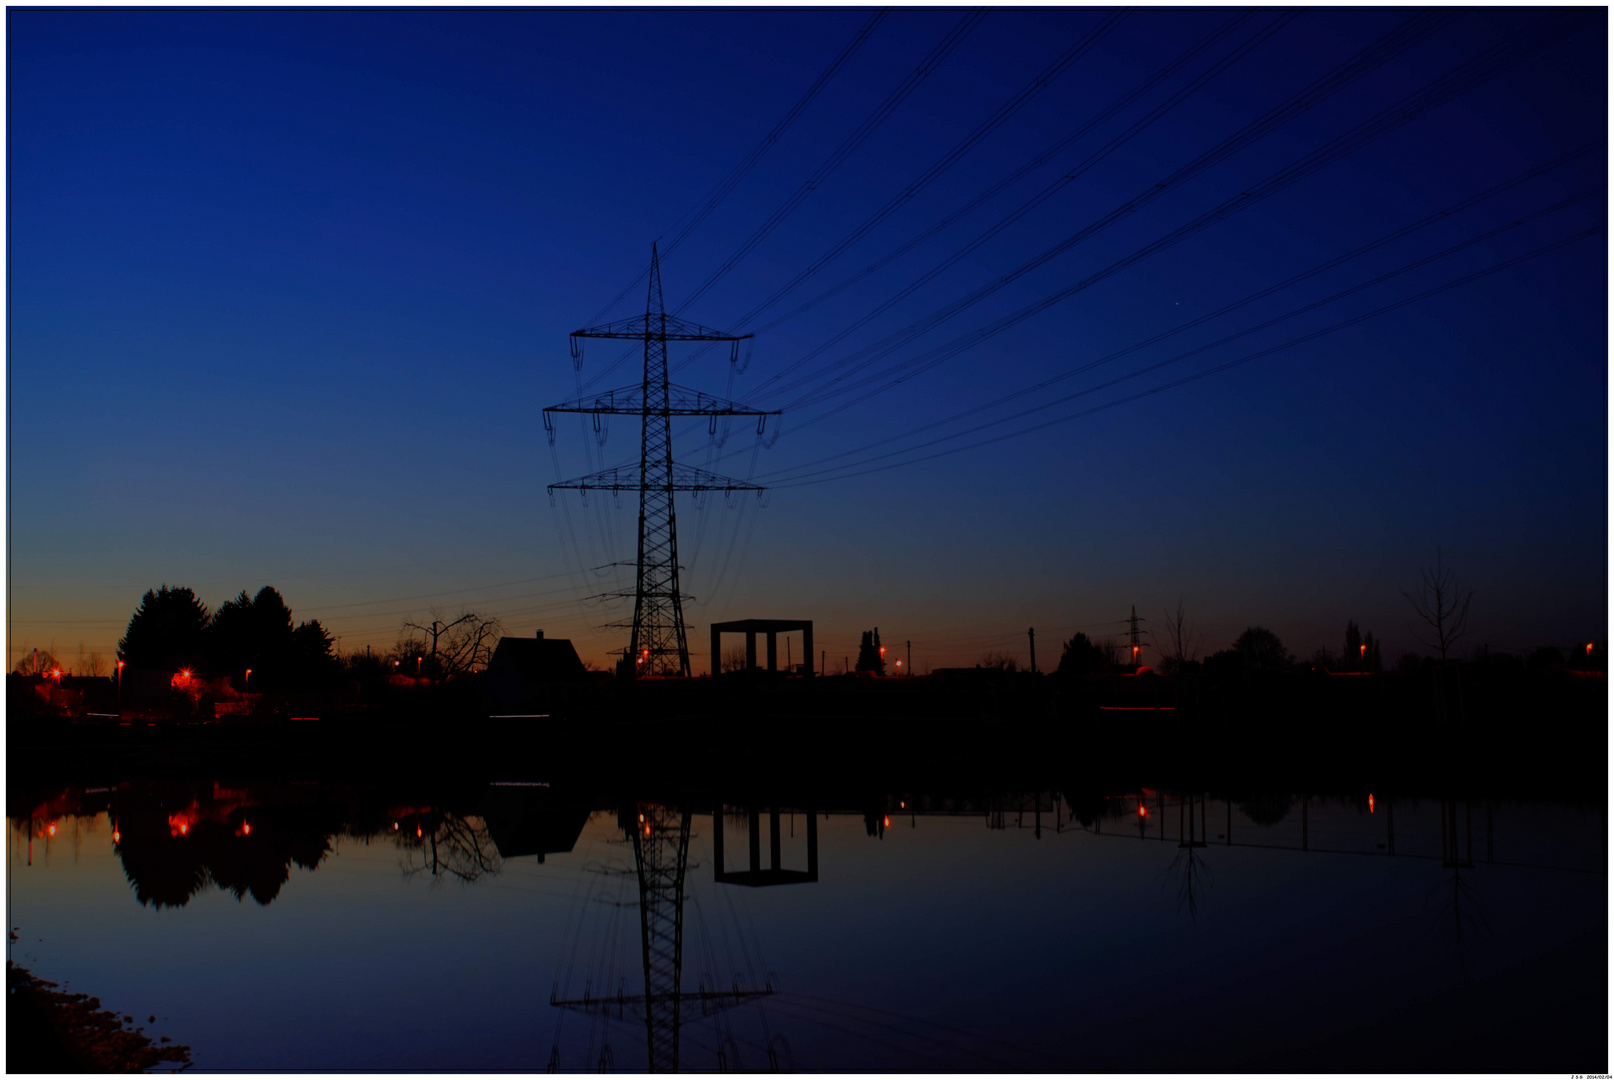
[289,289]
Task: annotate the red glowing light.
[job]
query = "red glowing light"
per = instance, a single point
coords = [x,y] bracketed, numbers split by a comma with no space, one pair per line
[647,830]
[882,650]
[394,826]
[1143,811]
[887,821]
[1588,649]
[116,835]
[246,829]
[1363,647]
[57,674]
[1370,804]
[50,829]
[184,830]
[417,831]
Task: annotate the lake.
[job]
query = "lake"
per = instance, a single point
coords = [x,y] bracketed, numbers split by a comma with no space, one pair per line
[524,926]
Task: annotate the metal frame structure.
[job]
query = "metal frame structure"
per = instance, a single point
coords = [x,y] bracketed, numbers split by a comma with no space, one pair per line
[659,644]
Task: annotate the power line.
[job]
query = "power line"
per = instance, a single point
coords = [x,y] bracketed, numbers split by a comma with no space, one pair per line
[1586,234]
[1362,63]
[1025,94]
[870,124]
[901,337]
[897,96]
[1438,92]
[1397,234]
[716,196]
[1026,168]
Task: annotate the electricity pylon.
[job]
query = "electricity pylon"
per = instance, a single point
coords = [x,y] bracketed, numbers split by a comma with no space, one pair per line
[659,645]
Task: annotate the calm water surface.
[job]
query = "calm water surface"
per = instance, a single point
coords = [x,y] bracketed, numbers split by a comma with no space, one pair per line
[315,927]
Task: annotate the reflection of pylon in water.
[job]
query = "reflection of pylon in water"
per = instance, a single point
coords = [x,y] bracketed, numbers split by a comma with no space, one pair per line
[661,855]
[661,852]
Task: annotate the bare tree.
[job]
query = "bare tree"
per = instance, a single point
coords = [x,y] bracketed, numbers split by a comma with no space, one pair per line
[734,658]
[1179,647]
[455,647]
[1441,604]
[36,662]
[449,845]
[89,664]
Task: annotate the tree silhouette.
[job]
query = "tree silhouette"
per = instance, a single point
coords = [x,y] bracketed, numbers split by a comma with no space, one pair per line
[868,653]
[36,662]
[1081,657]
[167,631]
[1180,648]
[1441,604]
[452,648]
[1261,650]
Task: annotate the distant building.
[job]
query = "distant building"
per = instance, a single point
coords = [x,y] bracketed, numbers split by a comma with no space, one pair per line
[530,674]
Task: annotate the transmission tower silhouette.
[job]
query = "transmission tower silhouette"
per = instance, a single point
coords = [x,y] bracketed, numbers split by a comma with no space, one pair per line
[659,645]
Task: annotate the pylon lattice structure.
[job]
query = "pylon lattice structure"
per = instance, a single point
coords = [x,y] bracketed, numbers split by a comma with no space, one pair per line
[659,644]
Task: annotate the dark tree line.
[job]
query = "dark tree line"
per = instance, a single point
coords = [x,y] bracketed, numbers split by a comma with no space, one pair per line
[172,630]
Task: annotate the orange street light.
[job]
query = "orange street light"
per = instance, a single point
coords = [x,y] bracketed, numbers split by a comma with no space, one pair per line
[1363,648]
[1588,648]
[1370,803]
[248,680]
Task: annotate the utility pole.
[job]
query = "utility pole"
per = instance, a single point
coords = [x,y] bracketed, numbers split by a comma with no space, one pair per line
[1031,632]
[658,644]
[910,659]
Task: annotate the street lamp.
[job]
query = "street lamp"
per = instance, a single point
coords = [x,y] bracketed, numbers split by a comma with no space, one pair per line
[248,680]
[120,689]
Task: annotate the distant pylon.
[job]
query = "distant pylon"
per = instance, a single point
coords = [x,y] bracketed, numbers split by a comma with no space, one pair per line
[1135,636]
[659,645]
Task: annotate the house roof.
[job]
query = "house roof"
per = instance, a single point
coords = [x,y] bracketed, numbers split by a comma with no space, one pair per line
[538,660]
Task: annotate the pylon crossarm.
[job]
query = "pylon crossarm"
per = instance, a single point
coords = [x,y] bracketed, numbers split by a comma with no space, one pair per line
[630,478]
[669,327]
[681,401]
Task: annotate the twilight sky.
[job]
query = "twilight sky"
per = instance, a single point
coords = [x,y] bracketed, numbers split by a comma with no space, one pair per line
[289,289]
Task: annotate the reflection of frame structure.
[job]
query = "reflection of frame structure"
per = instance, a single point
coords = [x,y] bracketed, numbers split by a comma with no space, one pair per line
[772,628]
[756,876]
